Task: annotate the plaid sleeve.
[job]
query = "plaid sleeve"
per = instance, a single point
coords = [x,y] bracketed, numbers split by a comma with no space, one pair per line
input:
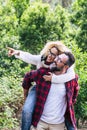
[29,78]
[76,89]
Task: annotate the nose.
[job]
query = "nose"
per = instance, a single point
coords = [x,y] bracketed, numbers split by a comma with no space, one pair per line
[55,60]
[49,56]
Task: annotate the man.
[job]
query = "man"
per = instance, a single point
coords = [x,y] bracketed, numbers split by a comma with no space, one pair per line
[51,50]
[54,101]
[30,96]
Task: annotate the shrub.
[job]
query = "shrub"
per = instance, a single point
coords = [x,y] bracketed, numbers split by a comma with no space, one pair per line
[11,98]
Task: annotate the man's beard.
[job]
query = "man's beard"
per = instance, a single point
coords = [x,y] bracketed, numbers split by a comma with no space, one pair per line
[53,69]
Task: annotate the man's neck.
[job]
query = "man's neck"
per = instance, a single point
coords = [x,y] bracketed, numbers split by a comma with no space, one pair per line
[59,72]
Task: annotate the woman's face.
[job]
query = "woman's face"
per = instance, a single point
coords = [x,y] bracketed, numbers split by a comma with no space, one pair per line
[53,52]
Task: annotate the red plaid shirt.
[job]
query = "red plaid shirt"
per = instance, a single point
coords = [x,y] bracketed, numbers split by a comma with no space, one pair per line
[42,90]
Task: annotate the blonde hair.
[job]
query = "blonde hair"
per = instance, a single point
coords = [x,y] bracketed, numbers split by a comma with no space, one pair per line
[58,44]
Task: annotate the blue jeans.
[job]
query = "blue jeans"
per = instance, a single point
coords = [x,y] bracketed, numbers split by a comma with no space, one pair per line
[68,125]
[28,109]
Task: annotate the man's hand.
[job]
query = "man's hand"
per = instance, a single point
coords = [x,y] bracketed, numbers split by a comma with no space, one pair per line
[12,51]
[48,77]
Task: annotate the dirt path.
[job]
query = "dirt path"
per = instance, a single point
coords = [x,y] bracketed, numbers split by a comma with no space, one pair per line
[20,129]
[77,129]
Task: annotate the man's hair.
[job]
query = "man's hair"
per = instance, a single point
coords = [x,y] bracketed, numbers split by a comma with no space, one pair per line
[71,58]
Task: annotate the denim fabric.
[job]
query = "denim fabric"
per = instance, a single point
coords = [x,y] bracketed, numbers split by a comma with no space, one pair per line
[28,109]
[68,125]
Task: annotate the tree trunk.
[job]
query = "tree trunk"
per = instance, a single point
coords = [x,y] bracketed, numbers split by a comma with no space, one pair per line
[66,3]
[48,1]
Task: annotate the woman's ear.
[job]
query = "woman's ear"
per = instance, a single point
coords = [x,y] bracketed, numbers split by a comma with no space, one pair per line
[43,58]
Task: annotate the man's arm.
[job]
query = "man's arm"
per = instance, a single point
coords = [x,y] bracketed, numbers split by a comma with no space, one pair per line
[76,90]
[29,78]
[27,82]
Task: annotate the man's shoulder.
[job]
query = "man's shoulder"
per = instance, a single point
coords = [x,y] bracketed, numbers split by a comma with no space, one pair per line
[74,80]
[76,76]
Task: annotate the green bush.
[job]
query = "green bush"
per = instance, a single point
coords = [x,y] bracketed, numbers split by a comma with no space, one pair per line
[81,70]
[11,98]
[30,31]
[33,30]
[79,19]
[39,23]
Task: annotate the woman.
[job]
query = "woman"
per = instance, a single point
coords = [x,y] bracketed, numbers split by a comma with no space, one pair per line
[36,59]
[46,57]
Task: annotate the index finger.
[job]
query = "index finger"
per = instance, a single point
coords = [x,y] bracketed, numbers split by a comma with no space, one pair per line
[9,48]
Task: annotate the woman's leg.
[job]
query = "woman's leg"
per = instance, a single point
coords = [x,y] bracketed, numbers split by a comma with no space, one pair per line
[68,125]
[27,110]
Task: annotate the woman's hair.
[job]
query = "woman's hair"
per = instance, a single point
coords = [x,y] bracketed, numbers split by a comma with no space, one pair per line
[57,44]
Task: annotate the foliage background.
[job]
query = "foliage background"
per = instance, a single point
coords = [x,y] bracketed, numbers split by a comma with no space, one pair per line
[28,26]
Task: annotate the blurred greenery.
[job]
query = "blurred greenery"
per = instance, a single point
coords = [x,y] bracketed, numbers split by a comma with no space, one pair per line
[28,26]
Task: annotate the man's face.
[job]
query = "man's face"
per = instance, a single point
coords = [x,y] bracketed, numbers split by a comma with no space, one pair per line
[59,63]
